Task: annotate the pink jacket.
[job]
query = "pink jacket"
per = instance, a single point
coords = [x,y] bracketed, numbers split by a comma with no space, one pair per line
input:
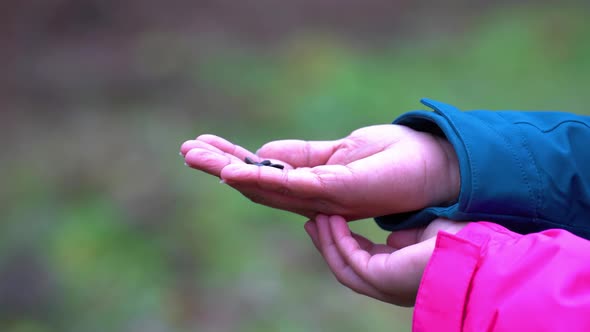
[487,278]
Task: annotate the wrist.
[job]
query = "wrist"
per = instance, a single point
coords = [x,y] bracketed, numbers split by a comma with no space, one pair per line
[448,184]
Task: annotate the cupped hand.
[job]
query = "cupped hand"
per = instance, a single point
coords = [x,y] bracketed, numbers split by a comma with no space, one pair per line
[376,170]
[388,272]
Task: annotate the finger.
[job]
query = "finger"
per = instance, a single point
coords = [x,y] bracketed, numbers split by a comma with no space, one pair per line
[300,153]
[187,146]
[404,238]
[312,230]
[343,272]
[346,244]
[354,256]
[363,242]
[212,162]
[202,144]
[396,275]
[209,161]
[292,189]
[194,144]
[322,181]
[371,247]
[304,207]
[226,146]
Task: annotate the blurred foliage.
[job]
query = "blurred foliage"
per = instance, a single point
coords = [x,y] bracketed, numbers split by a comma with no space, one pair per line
[103,228]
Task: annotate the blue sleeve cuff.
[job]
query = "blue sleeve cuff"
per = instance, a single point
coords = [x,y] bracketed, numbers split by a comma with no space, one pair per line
[501,179]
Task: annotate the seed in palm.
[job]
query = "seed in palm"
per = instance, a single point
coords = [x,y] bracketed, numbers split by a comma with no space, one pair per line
[265,162]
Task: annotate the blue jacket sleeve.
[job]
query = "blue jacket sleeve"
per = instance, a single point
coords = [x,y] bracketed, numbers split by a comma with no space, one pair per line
[527,171]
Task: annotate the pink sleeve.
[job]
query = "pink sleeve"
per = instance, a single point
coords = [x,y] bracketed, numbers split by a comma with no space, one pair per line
[487,278]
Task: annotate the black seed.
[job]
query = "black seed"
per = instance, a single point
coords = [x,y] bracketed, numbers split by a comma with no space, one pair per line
[265,162]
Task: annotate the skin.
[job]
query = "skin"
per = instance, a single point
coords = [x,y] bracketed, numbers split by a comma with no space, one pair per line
[376,170]
[389,272]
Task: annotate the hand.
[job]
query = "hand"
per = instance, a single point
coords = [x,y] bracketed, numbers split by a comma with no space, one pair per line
[376,170]
[388,272]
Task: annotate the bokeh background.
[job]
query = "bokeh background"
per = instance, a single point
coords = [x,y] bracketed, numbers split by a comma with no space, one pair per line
[102,227]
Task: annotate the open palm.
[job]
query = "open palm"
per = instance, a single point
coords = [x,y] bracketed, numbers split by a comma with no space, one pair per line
[374,171]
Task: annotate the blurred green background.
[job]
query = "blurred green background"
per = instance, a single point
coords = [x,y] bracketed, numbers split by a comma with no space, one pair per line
[102,227]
